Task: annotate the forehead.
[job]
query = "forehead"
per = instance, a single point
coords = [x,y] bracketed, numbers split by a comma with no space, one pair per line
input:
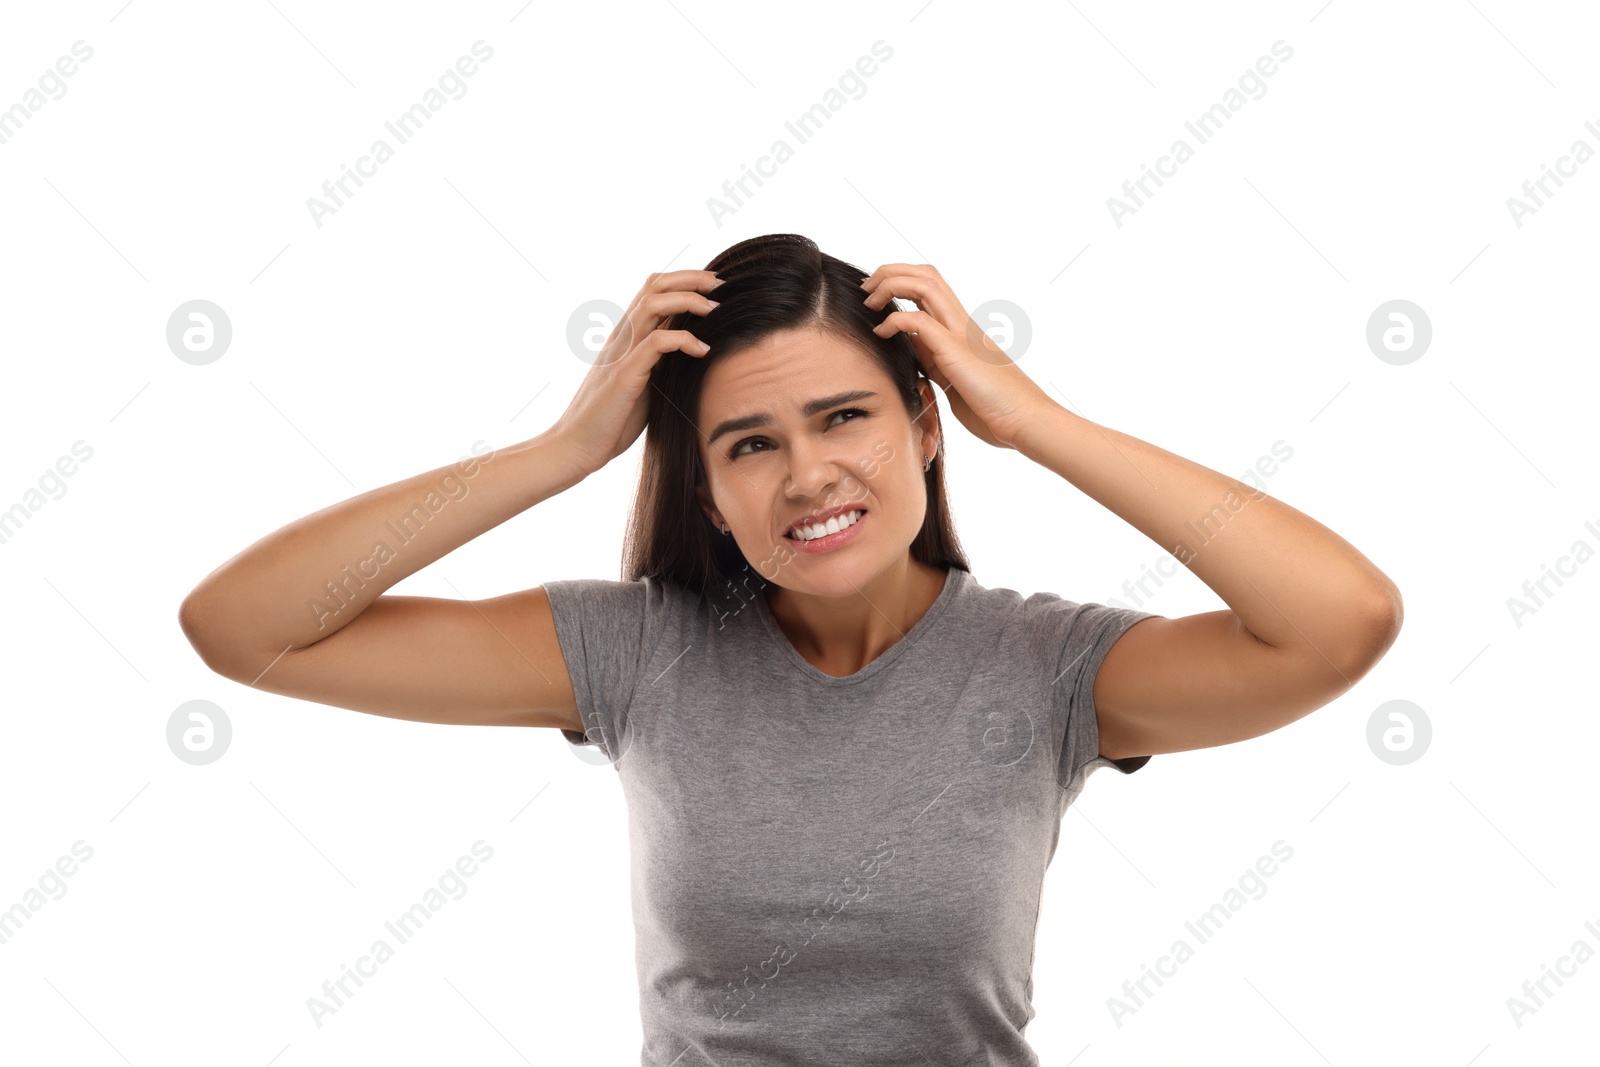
[784,371]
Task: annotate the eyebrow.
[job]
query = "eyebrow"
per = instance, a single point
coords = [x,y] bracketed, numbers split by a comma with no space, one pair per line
[812,407]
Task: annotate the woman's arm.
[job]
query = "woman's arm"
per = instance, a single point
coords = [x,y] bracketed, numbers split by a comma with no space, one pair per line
[307,581]
[1308,613]
[303,611]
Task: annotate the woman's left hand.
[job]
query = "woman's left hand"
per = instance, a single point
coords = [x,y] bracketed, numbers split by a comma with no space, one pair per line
[988,392]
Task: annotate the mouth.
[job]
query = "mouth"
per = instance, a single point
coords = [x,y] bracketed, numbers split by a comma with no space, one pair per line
[838,530]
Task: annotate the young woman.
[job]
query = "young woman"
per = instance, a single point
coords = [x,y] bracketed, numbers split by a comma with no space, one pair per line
[845,760]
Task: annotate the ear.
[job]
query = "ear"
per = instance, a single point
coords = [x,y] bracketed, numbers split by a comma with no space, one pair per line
[932,430]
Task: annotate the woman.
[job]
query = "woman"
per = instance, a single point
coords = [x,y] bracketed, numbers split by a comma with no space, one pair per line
[845,760]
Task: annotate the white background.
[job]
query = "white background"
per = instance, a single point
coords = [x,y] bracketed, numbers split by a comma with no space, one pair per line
[429,312]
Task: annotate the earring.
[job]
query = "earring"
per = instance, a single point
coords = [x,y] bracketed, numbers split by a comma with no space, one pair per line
[724,527]
[926,463]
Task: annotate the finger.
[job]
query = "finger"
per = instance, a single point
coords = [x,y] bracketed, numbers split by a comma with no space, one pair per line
[909,322]
[686,280]
[682,279]
[681,341]
[662,306]
[927,337]
[872,280]
[660,342]
[930,293]
[654,309]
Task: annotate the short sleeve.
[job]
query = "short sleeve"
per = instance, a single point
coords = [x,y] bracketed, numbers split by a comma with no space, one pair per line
[1075,638]
[607,631]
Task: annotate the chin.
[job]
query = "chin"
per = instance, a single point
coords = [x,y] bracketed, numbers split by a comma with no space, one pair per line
[830,576]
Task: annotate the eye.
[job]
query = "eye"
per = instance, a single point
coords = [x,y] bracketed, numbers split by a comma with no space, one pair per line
[734,452]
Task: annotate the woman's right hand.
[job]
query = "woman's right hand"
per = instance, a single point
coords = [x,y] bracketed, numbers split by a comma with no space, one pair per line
[609,410]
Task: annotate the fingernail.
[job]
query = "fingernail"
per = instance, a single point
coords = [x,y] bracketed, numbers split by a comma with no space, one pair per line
[714,303]
[718,282]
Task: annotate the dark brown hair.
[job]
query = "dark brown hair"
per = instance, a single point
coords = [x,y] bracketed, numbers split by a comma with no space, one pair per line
[777,282]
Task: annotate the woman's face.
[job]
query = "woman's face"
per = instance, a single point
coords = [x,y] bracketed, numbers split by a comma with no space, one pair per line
[787,430]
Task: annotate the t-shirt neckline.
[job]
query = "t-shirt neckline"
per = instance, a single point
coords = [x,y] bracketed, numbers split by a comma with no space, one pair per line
[955,578]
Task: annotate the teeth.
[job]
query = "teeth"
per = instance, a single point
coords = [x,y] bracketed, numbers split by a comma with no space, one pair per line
[832,526]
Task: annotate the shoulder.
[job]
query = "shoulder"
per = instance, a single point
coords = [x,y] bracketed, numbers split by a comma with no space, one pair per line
[1054,627]
[649,602]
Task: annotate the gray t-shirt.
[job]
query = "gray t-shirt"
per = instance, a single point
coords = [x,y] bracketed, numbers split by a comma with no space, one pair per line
[837,870]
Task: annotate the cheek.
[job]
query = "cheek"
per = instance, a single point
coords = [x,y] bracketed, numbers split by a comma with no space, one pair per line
[886,459]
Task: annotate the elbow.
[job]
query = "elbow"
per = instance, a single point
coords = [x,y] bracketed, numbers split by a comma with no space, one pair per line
[193,620]
[1375,626]
[200,629]
[1388,612]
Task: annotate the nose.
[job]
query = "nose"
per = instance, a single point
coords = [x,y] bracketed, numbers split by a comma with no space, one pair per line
[820,480]
[811,470]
